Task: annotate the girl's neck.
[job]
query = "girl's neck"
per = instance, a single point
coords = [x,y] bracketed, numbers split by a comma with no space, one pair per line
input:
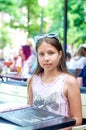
[49,77]
[51,73]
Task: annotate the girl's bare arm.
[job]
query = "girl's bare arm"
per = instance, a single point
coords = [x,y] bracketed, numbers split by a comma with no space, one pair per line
[72,93]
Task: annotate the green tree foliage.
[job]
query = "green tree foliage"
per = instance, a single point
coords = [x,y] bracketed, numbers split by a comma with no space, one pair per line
[33,13]
[4,37]
[76,20]
[10,7]
[56,15]
[54,12]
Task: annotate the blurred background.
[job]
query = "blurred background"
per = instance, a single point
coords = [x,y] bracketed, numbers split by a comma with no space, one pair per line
[21,19]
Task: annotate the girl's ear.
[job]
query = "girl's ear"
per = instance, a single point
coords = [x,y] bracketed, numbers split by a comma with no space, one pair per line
[60,54]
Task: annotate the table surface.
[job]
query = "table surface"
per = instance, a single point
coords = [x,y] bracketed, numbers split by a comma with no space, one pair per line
[13,76]
[20,83]
[47,124]
[53,124]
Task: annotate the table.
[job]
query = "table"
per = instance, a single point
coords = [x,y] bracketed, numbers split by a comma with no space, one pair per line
[13,76]
[83,99]
[47,124]
[13,90]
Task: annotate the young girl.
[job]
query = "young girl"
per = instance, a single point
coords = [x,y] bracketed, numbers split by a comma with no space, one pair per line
[52,87]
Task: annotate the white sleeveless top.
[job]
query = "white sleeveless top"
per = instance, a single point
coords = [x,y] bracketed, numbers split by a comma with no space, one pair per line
[50,96]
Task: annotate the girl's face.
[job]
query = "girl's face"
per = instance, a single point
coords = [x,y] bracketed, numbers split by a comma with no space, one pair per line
[48,56]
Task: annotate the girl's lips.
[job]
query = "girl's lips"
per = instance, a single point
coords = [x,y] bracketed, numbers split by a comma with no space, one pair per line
[47,64]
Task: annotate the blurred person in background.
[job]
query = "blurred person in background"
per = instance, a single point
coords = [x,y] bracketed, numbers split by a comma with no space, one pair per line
[78,61]
[1,68]
[68,58]
[17,61]
[1,55]
[82,77]
[31,43]
[1,60]
[24,60]
[81,57]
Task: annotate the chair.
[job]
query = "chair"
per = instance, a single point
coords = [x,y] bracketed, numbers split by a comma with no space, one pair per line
[77,72]
[72,71]
[81,127]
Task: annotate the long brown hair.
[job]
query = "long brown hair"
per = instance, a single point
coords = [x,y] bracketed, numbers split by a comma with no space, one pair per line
[62,64]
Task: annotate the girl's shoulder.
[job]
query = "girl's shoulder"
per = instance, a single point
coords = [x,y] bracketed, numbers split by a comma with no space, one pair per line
[71,81]
[71,78]
[33,77]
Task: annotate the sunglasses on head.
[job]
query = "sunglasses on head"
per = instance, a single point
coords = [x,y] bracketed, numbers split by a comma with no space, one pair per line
[45,35]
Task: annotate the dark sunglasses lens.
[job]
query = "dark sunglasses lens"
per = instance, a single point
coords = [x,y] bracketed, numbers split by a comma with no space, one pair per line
[51,35]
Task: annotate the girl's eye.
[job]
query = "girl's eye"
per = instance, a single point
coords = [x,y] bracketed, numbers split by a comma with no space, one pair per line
[41,54]
[51,52]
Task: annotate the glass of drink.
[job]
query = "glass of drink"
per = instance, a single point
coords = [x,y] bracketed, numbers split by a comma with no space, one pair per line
[19,69]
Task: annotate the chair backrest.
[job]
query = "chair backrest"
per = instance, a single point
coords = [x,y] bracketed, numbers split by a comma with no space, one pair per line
[72,71]
[81,127]
[77,72]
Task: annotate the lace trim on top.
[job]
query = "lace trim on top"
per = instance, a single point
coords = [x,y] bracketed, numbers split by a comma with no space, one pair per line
[53,82]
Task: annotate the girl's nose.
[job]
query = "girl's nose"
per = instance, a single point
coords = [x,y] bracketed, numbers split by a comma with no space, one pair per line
[46,57]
